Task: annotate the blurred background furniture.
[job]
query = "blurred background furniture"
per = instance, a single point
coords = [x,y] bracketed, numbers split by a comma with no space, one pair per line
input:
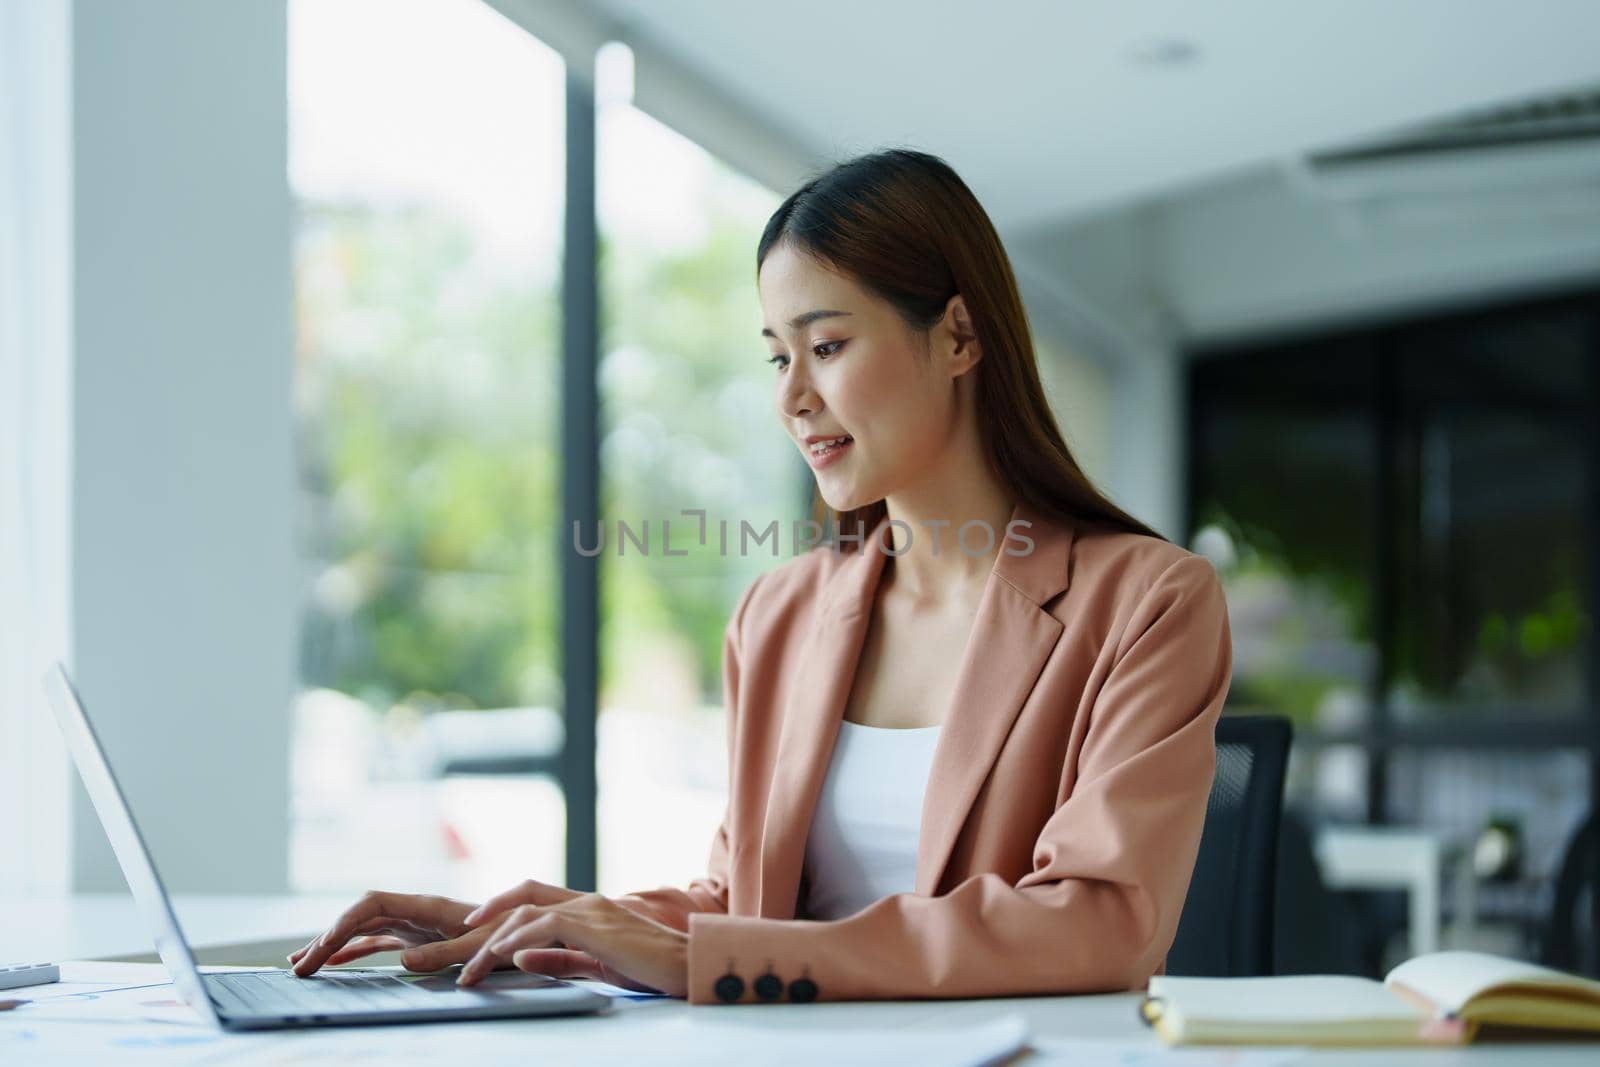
[1381,857]
[1572,938]
[498,741]
[1227,924]
[1316,930]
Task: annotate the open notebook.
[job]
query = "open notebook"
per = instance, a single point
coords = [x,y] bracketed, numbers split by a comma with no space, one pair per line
[1440,997]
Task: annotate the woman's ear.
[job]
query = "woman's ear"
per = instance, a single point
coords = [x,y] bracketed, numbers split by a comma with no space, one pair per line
[957,337]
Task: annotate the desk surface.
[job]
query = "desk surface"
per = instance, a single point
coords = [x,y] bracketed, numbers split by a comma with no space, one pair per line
[674,1032]
[671,1029]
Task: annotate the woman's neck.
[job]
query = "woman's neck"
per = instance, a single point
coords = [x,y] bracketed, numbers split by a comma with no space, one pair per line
[932,561]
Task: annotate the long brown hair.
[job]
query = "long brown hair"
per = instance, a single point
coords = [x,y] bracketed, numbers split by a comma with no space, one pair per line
[903,224]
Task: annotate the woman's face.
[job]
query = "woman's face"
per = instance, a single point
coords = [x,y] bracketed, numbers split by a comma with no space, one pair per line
[846,364]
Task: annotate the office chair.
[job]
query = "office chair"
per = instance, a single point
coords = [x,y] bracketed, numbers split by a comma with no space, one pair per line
[1316,930]
[1571,941]
[1226,927]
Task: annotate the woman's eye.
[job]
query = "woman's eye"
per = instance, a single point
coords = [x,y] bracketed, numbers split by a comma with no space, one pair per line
[832,346]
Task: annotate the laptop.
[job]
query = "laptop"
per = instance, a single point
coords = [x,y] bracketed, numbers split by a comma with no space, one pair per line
[275,998]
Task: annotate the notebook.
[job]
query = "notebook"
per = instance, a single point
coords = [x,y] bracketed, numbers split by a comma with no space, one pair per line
[1441,997]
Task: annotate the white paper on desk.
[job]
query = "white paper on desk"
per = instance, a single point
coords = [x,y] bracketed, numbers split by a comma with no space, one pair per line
[1085,1052]
[105,1002]
[700,1037]
[114,1042]
[979,1045]
[609,990]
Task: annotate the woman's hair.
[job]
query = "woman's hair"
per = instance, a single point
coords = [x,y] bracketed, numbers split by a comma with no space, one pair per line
[904,225]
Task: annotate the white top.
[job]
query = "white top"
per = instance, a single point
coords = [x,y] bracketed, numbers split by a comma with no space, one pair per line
[863,840]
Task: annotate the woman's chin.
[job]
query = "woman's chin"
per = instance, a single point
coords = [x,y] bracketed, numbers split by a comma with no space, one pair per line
[840,501]
[843,501]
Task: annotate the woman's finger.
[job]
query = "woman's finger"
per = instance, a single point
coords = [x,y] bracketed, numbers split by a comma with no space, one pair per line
[365,946]
[441,954]
[397,907]
[620,940]
[369,907]
[529,892]
[408,933]
[526,928]
[570,963]
[557,962]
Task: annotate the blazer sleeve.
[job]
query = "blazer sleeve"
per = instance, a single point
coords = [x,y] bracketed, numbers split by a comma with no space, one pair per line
[708,893]
[1111,867]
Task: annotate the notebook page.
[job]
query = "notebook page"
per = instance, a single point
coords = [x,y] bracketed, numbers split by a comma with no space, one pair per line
[1305,999]
[1450,979]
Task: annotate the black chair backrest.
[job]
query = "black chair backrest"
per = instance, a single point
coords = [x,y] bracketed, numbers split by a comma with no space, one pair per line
[1226,927]
[1572,937]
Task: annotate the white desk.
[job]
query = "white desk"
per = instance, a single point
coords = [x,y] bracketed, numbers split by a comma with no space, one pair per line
[672,1029]
[674,1032]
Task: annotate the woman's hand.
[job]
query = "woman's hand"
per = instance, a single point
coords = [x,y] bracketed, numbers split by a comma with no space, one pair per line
[430,929]
[584,936]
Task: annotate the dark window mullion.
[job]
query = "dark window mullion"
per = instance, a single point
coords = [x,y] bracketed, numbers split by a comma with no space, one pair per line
[1592,506]
[1384,531]
[580,485]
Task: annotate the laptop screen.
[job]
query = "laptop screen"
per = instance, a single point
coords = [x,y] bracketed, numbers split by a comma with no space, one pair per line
[126,841]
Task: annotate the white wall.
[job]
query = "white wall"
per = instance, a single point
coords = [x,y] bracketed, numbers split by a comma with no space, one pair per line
[1095,283]
[184,601]
[35,367]
[1080,394]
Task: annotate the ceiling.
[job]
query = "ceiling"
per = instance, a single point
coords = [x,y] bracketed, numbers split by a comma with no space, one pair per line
[1051,111]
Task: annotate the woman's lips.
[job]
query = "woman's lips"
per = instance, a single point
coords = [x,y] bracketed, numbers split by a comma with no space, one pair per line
[829,455]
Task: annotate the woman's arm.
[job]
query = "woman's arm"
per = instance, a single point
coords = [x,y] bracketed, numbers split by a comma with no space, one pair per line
[1111,867]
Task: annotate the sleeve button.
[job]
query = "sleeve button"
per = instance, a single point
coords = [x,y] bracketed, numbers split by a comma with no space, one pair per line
[729,988]
[769,987]
[802,991]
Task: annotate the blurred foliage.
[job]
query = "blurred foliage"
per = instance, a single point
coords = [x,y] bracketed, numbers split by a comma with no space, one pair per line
[1309,609]
[427,390]
[690,425]
[427,456]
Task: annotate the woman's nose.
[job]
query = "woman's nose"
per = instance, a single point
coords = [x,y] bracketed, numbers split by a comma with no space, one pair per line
[796,396]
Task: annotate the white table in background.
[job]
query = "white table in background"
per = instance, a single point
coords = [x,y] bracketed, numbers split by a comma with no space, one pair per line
[1381,857]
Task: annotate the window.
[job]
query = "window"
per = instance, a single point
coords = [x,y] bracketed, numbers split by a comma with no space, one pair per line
[426,157]
[690,424]
[1406,521]
[1291,527]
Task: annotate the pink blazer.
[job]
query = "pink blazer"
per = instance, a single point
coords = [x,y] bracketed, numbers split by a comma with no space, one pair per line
[1065,801]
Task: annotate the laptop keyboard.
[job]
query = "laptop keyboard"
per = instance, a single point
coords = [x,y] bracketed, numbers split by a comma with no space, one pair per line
[279,992]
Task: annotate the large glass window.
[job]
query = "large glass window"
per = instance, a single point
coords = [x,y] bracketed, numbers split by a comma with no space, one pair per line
[1404,523]
[1284,497]
[426,156]
[1490,560]
[689,425]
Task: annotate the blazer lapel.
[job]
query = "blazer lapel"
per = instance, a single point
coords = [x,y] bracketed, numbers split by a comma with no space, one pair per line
[811,720]
[1012,637]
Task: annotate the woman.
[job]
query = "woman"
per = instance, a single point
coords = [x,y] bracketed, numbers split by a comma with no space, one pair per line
[970,750]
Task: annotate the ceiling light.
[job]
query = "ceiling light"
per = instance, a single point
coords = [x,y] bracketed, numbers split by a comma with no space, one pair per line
[1163,52]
